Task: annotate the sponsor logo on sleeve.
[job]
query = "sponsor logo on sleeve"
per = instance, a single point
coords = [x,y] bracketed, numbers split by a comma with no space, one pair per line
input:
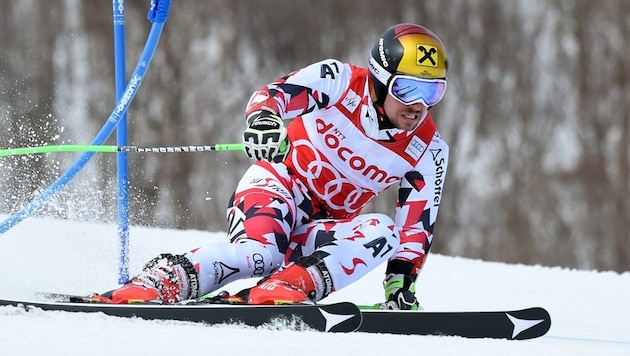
[440,171]
[351,101]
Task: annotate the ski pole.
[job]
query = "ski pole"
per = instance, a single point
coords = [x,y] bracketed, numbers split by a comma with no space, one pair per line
[113,149]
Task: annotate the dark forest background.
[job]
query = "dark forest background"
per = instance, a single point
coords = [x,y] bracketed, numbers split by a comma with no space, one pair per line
[536,113]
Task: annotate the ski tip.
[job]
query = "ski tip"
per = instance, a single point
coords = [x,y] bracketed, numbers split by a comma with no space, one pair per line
[529,323]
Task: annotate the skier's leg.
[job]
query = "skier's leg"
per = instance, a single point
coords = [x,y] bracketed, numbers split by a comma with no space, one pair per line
[328,255]
[221,263]
[349,248]
[260,216]
[260,219]
[172,278]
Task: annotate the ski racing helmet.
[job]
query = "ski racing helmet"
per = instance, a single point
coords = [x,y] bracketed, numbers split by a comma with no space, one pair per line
[416,57]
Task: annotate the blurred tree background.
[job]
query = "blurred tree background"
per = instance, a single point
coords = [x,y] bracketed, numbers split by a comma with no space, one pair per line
[536,113]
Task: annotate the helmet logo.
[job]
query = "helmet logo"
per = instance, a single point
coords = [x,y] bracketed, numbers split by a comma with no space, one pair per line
[381,53]
[426,53]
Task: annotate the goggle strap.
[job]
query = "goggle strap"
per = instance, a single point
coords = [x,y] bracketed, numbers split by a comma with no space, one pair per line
[379,72]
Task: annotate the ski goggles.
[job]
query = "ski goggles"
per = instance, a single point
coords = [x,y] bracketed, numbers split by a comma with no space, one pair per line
[412,90]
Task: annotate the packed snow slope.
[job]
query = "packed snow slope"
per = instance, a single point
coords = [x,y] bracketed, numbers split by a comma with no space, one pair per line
[590,310]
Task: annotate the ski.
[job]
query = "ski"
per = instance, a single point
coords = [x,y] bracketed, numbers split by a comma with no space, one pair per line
[335,317]
[513,325]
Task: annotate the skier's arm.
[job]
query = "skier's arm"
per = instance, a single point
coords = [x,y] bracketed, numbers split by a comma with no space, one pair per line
[314,87]
[416,213]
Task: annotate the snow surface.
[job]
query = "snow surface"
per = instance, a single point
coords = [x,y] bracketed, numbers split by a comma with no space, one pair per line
[589,309]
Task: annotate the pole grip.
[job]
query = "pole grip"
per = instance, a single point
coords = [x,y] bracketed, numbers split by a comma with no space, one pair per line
[158,13]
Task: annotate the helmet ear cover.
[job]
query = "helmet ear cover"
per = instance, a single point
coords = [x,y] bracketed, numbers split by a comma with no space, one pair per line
[380,90]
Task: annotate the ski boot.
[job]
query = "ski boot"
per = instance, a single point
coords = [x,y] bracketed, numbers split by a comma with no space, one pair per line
[305,281]
[166,279]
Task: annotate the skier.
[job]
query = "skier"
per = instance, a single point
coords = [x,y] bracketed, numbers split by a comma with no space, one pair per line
[295,218]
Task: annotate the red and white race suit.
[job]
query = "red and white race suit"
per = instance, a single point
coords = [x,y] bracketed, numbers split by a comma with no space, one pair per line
[339,160]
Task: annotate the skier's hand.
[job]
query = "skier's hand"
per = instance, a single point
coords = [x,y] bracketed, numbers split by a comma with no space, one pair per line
[266,137]
[401,299]
[399,293]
